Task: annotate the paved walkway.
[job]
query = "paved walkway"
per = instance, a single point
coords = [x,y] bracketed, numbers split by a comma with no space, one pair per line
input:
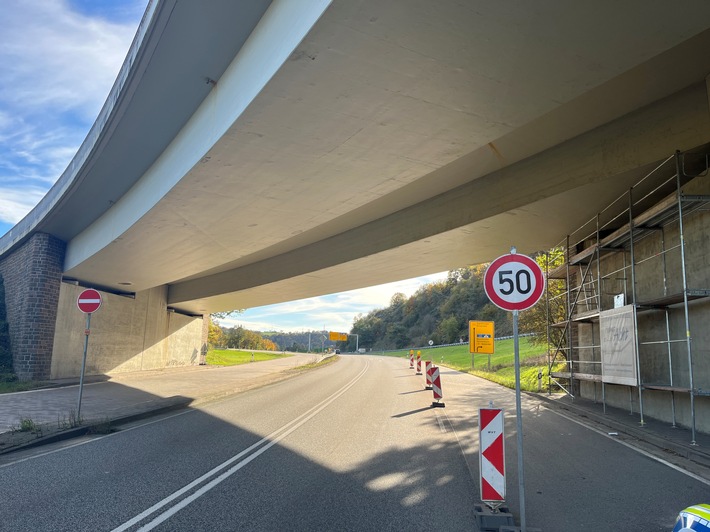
[134,395]
[137,394]
[654,436]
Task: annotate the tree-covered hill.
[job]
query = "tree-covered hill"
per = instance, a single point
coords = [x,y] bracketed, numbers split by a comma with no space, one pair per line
[438,311]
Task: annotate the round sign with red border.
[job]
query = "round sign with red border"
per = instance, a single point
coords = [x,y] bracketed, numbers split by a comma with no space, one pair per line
[89,301]
[514,282]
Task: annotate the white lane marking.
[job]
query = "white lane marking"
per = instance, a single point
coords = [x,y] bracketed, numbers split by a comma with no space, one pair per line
[442,428]
[645,453]
[269,441]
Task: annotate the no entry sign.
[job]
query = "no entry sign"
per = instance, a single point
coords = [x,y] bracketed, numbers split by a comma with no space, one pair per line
[514,282]
[89,301]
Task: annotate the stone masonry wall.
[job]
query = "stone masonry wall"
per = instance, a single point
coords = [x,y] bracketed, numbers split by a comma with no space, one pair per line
[32,276]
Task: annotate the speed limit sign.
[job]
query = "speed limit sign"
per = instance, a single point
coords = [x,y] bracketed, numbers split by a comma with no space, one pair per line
[514,282]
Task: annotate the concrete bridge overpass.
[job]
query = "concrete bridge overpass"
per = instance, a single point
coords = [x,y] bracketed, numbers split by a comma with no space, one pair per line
[257,152]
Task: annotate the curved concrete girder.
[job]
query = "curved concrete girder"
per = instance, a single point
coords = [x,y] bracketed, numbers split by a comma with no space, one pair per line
[530,204]
[258,59]
[161,83]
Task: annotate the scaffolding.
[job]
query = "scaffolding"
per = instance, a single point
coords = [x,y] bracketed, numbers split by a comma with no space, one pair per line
[631,258]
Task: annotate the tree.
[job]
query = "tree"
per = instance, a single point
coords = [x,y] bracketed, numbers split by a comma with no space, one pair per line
[370,329]
[226,314]
[241,338]
[449,330]
[215,336]
[536,319]
[396,337]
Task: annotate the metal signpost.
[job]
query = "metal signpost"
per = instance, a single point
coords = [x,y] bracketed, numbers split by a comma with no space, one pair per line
[89,301]
[343,337]
[337,336]
[515,282]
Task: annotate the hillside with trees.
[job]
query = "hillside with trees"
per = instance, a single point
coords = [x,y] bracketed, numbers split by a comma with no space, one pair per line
[239,338]
[295,342]
[438,312]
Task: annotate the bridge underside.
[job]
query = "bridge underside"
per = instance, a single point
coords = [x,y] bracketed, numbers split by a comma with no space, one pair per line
[348,144]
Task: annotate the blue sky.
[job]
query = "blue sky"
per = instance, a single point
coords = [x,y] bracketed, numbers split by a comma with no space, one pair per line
[333,312]
[58,61]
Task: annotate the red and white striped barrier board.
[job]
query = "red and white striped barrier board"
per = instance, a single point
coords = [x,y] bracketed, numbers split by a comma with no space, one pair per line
[427,374]
[492,455]
[419,362]
[436,387]
[411,359]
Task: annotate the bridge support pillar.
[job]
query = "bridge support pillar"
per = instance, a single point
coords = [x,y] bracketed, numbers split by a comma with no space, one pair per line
[32,276]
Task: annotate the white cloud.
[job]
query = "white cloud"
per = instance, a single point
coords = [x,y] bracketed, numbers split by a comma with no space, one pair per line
[56,68]
[15,203]
[331,312]
[51,57]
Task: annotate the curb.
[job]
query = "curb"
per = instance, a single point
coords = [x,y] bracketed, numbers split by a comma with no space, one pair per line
[172,404]
[164,405]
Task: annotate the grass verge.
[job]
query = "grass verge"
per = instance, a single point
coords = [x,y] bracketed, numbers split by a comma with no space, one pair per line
[234,357]
[21,386]
[498,367]
[317,363]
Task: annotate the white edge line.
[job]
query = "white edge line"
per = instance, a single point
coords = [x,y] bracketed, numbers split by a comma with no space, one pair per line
[633,448]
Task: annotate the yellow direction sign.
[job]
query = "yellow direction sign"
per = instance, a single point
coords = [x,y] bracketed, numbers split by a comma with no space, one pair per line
[480,337]
[338,336]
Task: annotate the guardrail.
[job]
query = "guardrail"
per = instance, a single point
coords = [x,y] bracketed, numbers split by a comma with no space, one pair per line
[442,345]
[379,350]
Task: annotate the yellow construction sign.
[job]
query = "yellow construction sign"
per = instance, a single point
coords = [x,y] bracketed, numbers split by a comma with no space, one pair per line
[481,337]
[337,336]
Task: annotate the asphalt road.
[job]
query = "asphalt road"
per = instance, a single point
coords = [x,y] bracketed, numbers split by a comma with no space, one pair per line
[352,446]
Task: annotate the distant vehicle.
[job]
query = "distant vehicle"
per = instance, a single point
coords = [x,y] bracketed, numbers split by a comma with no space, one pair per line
[362,350]
[337,351]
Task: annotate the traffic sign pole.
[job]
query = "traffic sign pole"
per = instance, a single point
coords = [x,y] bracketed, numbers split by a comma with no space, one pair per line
[519,416]
[89,301]
[515,282]
[83,366]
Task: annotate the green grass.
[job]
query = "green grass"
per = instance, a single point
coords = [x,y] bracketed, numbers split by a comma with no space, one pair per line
[502,362]
[20,386]
[234,357]
[317,363]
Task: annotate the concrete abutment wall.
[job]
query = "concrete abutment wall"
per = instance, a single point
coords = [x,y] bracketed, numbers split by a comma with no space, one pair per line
[127,333]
